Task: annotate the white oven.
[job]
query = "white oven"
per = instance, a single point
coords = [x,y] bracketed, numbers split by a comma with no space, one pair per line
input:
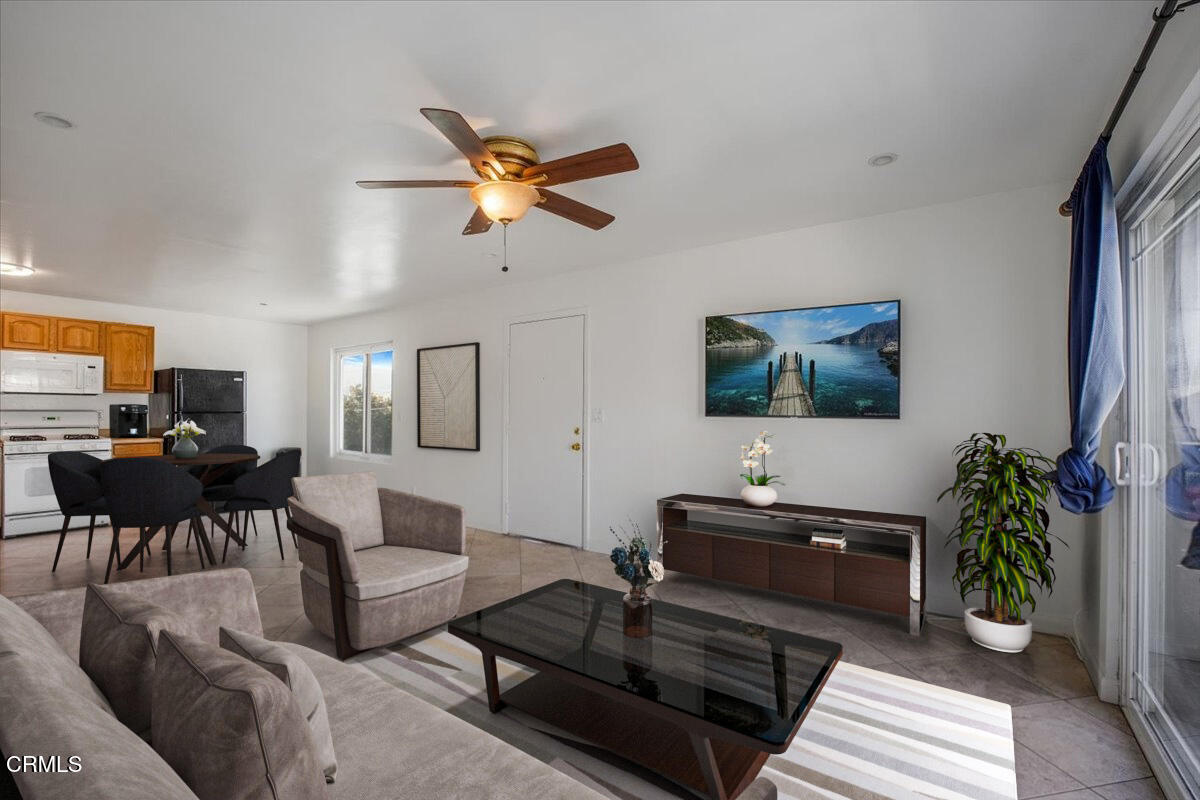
[50,373]
[29,437]
[29,502]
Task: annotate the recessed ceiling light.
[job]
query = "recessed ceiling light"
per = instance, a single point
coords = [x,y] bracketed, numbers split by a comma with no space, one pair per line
[15,270]
[53,120]
[883,159]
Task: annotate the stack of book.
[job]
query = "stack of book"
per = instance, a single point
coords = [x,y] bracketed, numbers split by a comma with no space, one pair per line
[830,540]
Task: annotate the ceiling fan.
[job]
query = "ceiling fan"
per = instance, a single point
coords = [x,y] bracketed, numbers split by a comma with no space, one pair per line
[514,180]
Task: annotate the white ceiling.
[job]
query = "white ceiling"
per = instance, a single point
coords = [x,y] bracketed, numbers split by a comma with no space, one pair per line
[217,144]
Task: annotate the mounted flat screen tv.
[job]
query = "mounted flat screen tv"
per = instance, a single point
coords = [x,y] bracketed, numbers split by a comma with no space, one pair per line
[827,361]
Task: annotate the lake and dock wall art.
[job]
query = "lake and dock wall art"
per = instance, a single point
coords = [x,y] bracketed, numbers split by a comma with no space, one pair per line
[828,361]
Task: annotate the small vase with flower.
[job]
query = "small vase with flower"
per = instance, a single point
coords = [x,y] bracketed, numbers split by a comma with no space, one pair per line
[185,433]
[758,490]
[632,562]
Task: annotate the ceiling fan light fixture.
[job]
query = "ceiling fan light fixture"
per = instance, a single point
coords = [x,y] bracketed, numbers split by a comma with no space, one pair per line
[15,270]
[505,201]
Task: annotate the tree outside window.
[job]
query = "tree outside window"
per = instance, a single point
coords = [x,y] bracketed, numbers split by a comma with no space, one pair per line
[364,374]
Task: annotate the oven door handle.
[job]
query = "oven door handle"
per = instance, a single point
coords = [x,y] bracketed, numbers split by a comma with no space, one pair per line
[25,456]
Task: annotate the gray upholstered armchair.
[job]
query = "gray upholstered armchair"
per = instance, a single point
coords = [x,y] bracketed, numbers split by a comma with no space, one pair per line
[378,565]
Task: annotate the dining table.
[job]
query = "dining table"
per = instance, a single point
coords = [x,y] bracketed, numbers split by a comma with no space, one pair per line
[215,465]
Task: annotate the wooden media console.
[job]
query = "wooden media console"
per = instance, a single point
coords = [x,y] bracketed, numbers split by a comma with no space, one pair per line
[882,567]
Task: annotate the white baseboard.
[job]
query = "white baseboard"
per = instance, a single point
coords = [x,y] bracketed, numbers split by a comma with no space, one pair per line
[1108,687]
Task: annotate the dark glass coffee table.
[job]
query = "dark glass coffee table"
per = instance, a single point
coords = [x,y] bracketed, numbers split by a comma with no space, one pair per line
[703,700]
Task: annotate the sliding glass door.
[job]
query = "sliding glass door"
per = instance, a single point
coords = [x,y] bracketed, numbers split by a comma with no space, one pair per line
[1162,679]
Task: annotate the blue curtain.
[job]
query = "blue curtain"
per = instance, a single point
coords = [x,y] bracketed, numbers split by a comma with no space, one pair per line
[1181,492]
[1095,335]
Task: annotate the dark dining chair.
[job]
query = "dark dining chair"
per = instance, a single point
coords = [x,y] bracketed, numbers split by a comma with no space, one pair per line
[76,481]
[146,494]
[264,489]
[221,489]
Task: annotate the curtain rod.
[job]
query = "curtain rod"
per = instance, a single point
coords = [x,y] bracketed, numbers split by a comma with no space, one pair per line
[1161,17]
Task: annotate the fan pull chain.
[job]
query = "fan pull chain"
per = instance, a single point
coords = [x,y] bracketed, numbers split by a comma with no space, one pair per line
[504,268]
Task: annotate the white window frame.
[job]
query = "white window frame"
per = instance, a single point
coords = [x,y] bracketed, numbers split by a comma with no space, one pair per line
[335,406]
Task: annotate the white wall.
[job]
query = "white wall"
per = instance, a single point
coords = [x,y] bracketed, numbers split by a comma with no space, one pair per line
[273,355]
[983,284]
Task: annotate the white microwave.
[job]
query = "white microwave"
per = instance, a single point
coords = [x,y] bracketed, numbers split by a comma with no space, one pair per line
[50,373]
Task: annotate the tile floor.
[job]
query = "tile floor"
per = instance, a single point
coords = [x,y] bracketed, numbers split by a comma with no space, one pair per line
[1069,745]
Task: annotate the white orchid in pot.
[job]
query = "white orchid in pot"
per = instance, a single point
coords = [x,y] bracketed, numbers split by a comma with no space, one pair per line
[758,490]
[185,433]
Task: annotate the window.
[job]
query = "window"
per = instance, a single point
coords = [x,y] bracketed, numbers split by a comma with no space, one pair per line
[363,401]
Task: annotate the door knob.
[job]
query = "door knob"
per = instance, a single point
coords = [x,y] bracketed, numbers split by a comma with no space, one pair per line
[576,446]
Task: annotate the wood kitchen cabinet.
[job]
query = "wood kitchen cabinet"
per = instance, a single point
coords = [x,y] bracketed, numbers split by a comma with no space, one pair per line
[26,331]
[133,448]
[128,357]
[128,350]
[81,336]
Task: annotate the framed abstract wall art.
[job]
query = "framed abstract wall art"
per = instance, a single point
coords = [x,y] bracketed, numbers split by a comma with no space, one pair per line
[448,397]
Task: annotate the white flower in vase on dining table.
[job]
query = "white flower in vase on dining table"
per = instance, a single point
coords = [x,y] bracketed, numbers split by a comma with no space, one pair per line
[185,429]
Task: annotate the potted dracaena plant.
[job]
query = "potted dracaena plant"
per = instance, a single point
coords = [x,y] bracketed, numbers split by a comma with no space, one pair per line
[1002,529]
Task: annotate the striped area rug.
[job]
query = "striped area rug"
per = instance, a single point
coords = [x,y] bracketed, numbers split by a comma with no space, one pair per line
[870,735]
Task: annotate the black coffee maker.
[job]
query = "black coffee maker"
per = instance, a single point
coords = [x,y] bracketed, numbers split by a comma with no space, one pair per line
[128,420]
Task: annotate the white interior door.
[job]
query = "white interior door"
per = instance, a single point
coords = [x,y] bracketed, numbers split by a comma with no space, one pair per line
[545,429]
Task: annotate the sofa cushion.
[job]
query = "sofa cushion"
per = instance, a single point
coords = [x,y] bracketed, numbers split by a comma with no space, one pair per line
[289,668]
[232,730]
[43,715]
[118,647]
[20,633]
[190,596]
[391,744]
[387,570]
[349,501]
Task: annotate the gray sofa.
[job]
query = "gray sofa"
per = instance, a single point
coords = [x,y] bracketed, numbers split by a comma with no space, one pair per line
[389,744]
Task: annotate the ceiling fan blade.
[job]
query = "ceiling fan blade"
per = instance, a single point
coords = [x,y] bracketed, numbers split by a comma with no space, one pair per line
[415,184]
[592,164]
[573,210]
[463,136]
[478,223]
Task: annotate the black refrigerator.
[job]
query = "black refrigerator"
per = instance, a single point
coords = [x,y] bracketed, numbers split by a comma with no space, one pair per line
[215,399]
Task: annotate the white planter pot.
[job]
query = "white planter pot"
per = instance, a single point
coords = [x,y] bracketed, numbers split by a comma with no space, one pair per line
[759,495]
[998,635]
